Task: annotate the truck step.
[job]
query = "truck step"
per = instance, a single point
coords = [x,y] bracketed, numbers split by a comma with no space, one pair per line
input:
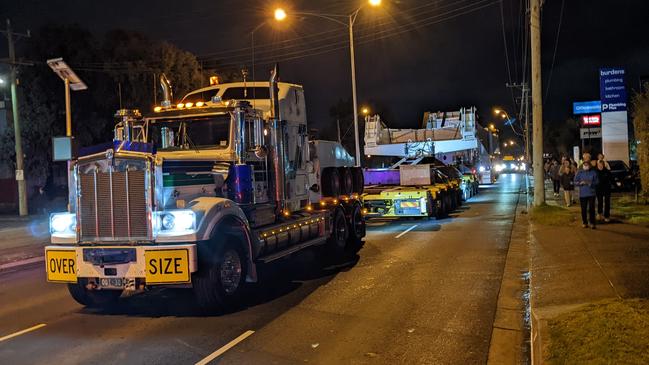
[292,249]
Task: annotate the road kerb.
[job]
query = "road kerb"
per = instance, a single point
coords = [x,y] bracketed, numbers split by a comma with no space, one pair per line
[25,262]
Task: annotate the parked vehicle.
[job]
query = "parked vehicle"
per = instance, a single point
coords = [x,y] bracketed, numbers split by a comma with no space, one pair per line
[623,177]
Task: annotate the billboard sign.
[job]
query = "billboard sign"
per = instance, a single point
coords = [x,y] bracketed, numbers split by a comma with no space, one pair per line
[612,90]
[593,120]
[586,107]
[588,133]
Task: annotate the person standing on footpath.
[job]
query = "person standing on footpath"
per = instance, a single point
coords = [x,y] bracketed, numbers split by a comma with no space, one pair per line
[554,175]
[586,179]
[603,189]
[567,177]
[601,157]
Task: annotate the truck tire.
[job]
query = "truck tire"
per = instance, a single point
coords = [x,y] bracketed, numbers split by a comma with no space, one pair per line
[330,182]
[339,233]
[93,298]
[346,180]
[219,282]
[356,228]
[359,180]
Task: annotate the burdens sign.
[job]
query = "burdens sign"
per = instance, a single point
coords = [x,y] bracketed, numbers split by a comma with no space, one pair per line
[615,132]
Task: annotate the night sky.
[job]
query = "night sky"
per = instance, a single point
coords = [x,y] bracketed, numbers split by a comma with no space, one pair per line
[412,55]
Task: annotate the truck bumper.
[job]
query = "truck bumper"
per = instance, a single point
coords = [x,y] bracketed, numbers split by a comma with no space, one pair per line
[121,267]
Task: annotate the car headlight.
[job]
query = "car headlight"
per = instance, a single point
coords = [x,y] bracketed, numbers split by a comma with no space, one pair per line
[63,224]
[175,222]
[482,169]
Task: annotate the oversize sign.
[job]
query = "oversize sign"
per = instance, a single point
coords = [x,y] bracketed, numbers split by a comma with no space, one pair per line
[167,266]
[612,90]
[61,266]
[594,120]
[588,133]
[586,107]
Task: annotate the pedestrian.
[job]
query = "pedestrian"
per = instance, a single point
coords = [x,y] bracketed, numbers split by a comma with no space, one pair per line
[601,157]
[604,179]
[586,179]
[546,168]
[567,177]
[554,175]
[585,159]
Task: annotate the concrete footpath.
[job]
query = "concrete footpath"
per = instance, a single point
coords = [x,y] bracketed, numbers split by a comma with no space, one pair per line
[571,266]
[22,240]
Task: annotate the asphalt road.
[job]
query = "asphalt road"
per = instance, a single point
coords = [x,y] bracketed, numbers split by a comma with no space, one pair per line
[419,292]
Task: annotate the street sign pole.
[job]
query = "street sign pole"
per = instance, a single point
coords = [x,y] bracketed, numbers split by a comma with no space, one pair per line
[68,117]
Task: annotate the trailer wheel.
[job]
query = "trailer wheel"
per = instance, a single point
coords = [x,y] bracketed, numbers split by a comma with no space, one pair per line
[218,284]
[330,182]
[430,205]
[339,233]
[93,298]
[356,228]
[359,180]
[441,211]
[346,180]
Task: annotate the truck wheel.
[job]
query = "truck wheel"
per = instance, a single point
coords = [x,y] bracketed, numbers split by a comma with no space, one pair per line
[359,180]
[93,298]
[339,234]
[356,228]
[218,285]
[346,180]
[330,182]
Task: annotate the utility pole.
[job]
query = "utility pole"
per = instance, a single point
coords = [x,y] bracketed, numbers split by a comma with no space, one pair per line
[20,172]
[537,104]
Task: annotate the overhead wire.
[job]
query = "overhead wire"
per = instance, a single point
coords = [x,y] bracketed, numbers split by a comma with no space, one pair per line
[554,53]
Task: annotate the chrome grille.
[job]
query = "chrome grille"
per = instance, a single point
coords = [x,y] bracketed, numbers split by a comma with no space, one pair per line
[113,201]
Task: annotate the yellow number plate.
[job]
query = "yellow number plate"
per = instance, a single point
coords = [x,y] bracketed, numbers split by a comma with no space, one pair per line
[61,266]
[167,266]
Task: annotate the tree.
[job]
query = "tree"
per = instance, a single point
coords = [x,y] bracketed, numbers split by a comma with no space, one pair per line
[122,59]
[641,126]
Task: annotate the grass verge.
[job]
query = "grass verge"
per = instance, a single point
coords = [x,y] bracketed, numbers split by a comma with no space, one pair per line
[632,212]
[551,215]
[606,332]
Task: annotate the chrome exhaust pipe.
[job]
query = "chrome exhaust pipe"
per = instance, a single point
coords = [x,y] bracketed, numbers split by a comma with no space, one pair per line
[167,92]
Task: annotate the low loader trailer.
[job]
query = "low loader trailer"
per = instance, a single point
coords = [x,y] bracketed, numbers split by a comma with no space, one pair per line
[413,186]
[200,192]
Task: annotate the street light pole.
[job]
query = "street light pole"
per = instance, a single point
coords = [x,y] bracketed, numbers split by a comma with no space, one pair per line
[280,15]
[68,118]
[352,19]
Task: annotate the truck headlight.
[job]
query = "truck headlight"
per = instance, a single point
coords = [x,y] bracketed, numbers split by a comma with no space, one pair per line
[175,222]
[482,169]
[63,224]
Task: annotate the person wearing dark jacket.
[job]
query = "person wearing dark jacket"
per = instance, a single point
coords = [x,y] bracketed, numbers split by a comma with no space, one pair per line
[603,191]
[586,180]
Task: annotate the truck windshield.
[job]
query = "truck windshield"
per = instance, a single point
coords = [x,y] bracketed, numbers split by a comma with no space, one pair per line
[190,133]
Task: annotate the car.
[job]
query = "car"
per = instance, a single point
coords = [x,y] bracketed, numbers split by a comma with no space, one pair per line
[623,178]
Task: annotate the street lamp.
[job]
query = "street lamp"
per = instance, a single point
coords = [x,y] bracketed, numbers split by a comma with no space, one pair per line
[280,15]
[365,111]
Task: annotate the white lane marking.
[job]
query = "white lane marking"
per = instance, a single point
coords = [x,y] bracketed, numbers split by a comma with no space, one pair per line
[22,262]
[225,348]
[406,231]
[16,334]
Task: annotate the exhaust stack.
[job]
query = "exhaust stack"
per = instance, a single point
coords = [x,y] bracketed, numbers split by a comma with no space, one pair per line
[277,148]
[167,93]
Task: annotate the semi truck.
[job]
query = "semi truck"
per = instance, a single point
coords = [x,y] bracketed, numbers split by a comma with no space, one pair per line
[200,192]
[414,186]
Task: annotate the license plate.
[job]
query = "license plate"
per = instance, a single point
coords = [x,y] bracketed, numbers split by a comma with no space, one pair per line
[61,266]
[167,266]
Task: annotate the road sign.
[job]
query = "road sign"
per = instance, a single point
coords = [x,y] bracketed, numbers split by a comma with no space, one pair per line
[589,133]
[586,107]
